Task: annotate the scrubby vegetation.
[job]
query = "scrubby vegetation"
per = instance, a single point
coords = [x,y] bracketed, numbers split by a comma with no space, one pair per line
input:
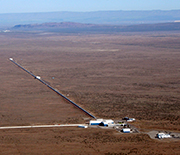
[111,76]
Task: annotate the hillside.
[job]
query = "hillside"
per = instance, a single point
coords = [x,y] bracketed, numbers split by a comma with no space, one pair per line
[55,25]
[80,27]
[98,17]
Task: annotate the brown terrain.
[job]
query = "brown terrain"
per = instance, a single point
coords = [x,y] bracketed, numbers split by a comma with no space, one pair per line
[110,75]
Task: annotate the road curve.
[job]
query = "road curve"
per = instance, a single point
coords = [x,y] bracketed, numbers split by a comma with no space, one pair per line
[38,78]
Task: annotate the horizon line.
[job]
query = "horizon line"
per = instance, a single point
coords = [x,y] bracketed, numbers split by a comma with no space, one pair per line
[90,11]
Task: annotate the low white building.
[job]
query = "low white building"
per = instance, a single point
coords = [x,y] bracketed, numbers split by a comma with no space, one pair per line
[163,135]
[126,130]
[131,120]
[38,77]
[82,126]
[102,122]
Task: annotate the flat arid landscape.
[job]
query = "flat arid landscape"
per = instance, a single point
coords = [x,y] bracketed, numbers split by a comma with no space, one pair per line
[129,74]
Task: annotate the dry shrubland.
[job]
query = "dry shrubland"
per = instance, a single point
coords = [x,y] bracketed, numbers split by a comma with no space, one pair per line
[112,76]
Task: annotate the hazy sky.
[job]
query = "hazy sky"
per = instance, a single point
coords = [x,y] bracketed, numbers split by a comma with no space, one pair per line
[20,6]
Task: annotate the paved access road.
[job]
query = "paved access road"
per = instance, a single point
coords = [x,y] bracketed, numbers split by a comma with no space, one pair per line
[40,126]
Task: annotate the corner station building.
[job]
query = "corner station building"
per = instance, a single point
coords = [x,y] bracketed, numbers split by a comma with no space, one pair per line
[103,122]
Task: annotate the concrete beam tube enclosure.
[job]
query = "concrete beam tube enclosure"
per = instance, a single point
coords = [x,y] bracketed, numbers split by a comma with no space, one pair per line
[39,78]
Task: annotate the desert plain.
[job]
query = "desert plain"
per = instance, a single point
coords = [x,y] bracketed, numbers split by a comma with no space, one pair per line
[110,75]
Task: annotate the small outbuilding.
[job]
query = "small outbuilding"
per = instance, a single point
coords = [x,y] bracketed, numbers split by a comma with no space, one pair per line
[129,119]
[126,130]
[38,77]
[163,135]
[82,126]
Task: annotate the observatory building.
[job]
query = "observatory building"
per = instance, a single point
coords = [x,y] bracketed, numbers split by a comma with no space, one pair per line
[101,122]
